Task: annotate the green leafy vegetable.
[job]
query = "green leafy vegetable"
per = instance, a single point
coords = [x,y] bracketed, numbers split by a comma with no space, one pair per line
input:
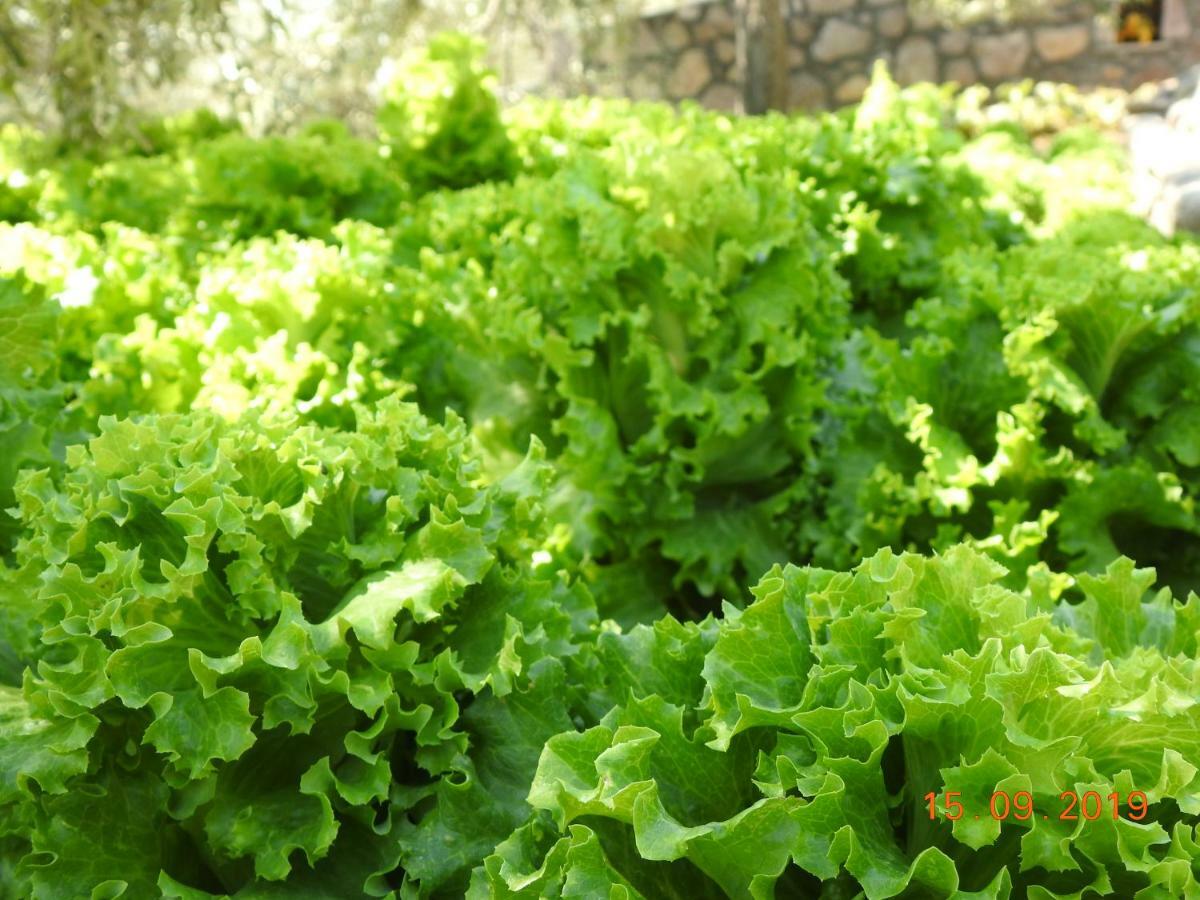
[267,629]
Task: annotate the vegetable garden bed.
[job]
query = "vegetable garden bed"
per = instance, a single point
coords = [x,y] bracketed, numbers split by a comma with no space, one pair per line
[597,500]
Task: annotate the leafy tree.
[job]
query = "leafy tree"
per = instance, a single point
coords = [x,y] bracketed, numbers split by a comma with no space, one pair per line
[79,61]
[88,69]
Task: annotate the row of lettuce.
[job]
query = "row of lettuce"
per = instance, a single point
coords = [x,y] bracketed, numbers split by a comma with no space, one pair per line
[384,511]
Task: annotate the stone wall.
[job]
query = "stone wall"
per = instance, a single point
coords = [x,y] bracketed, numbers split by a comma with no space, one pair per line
[689,52]
[1164,145]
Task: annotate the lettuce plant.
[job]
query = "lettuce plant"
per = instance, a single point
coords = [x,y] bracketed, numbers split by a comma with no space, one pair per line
[260,651]
[267,629]
[788,749]
[439,119]
[673,346]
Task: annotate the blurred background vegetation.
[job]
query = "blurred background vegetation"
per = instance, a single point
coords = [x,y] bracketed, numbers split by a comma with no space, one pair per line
[78,68]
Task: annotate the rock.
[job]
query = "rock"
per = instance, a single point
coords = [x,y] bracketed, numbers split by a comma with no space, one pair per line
[1177,207]
[1002,56]
[690,76]
[1189,82]
[925,19]
[954,43]
[1165,94]
[1187,211]
[796,56]
[1150,141]
[690,12]
[675,36]
[1174,23]
[829,7]
[1162,212]
[607,55]
[892,22]
[1153,69]
[1149,98]
[1146,189]
[1173,157]
[719,14]
[725,51]
[646,43]
[801,30]
[1164,152]
[723,97]
[961,72]
[1184,115]
[916,60]
[838,40]
[807,92]
[647,83]
[718,22]
[852,89]
[1112,75]
[1184,178]
[1059,43]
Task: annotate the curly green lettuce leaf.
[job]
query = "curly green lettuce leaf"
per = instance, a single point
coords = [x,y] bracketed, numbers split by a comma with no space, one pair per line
[292,637]
[836,703]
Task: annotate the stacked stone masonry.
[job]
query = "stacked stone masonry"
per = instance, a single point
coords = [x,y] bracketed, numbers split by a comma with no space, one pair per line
[689,52]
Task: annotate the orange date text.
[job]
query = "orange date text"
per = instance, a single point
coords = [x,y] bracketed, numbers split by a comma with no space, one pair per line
[1072,806]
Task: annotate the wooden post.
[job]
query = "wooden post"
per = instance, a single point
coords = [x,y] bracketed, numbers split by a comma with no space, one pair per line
[1175,24]
[762,45]
[750,59]
[777,55]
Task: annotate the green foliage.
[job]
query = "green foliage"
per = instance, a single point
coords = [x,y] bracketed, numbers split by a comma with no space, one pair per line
[440,120]
[30,394]
[268,632]
[74,64]
[672,346]
[803,733]
[268,629]
[218,189]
